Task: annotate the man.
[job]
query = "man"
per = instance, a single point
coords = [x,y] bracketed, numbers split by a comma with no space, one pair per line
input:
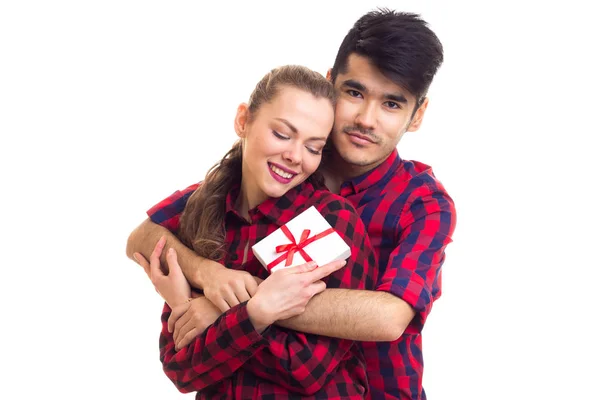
[382,73]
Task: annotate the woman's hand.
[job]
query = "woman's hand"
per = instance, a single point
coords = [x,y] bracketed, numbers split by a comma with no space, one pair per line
[173,288]
[191,319]
[286,292]
[228,287]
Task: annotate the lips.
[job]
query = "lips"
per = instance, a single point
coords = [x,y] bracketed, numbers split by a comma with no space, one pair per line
[284,169]
[276,170]
[360,140]
[361,137]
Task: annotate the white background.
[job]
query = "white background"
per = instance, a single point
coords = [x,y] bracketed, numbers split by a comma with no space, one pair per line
[107,107]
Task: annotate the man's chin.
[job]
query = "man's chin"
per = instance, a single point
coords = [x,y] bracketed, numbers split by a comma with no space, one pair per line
[355,158]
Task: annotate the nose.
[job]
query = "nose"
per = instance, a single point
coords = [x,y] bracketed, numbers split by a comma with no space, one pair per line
[293,154]
[367,115]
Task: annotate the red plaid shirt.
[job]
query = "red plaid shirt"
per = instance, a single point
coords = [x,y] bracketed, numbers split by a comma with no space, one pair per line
[410,220]
[230,359]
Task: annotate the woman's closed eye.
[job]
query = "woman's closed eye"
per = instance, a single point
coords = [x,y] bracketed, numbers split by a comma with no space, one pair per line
[314,151]
[280,136]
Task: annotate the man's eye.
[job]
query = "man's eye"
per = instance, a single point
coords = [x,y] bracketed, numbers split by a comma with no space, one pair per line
[280,136]
[354,93]
[391,104]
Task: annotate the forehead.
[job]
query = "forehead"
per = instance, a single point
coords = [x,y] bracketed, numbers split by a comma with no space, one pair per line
[298,106]
[361,70]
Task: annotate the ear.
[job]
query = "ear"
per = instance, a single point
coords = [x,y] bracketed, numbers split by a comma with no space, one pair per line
[417,119]
[328,76]
[241,120]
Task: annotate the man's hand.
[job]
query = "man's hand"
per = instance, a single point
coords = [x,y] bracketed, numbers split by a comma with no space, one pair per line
[191,319]
[286,292]
[229,287]
[173,288]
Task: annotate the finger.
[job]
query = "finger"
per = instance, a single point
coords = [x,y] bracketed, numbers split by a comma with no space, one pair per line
[252,285]
[302,268]
[140,259]
[185,328]
[221,305]
[184,319]
[241,290]
[172,261]
[155,257]
[258,282]
[176,313]
[241,295]
[231,298]
[317,287]
[326,270]
[187,339]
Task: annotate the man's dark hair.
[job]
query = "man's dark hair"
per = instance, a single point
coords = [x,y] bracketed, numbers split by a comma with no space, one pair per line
[400,45]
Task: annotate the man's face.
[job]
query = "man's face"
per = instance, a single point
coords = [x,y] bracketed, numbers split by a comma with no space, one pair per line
[372,114]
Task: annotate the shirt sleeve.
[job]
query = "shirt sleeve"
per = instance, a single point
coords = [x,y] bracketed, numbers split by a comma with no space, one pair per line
[413,272]
[168,211]
[214,355]
[301,362]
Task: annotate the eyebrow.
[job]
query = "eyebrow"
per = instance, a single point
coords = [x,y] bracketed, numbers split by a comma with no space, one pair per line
[288,123]
[351,83]
[293,128]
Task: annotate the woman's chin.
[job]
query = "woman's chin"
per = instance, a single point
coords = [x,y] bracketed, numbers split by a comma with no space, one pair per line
[277,189]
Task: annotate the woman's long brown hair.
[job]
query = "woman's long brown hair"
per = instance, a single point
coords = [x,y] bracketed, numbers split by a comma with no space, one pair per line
[202,222]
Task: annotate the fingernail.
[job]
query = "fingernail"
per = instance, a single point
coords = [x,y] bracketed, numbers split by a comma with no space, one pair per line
[171,251]
[135,258]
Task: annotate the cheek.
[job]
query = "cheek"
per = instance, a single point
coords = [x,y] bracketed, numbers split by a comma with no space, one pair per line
[262,147]
[390,130]
[311,164]
[343,113]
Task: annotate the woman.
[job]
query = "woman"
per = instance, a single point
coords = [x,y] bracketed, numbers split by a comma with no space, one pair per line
[261,184]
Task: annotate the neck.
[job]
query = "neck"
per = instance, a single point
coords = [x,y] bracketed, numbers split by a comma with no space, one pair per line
[343,170]
[248,198]
[333,180]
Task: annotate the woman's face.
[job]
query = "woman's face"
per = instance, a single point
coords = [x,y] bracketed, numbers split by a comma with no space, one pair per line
[283,142]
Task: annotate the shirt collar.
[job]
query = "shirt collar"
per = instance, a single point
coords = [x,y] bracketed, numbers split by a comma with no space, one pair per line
[273,208]
[381,173]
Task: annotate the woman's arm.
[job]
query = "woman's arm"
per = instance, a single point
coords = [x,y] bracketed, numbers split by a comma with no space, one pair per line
[303,362]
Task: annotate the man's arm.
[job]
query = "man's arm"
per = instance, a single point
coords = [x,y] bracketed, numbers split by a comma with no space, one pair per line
[406,290]
[223,286]
[342,313]
[353,314]
[143,239]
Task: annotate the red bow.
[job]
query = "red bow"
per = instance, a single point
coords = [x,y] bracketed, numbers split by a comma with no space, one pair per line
[291,248]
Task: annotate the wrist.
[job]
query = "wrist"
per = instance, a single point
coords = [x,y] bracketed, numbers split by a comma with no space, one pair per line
[178,301]
[259,318]
[205,272]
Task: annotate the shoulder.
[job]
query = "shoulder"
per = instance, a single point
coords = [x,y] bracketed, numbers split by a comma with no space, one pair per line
[328,202]
[415,193]
[167,212]
[339,213]
[415,182]
[172,205]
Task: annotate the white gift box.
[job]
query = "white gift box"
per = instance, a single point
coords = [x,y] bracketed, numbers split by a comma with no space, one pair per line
[322,243]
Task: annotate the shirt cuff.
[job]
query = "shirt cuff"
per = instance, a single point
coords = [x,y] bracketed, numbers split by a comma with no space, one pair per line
[240,327]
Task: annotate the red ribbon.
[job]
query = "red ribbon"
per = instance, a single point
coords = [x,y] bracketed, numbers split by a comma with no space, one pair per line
[291,248]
